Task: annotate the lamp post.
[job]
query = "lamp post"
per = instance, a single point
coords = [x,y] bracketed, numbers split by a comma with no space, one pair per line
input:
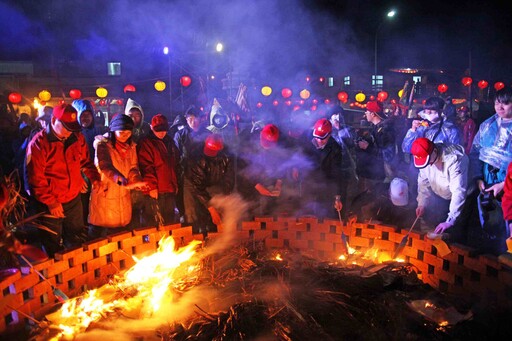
[390,15]
[168,54]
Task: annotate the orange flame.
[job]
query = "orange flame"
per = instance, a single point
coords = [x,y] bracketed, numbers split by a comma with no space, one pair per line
[150,280]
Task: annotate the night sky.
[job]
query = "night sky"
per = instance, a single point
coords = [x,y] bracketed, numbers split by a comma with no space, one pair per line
[266,38]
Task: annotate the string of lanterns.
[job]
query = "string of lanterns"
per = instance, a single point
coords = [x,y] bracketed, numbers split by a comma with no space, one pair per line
[305,94]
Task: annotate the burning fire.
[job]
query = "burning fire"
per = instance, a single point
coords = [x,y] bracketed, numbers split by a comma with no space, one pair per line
[362,257]
[278,257]
[144,288]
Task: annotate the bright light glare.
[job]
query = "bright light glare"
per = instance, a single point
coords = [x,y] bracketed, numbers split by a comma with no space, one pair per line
[219,47]
[166,50]
[391,13]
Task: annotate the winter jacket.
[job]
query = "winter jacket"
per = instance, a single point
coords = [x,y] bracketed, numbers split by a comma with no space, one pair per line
[158,162]
[203,172]
[491,151]
[143,128]
[113,207]
[54,167]
[325,175]
[91,131]
[186,140]
[381,148]
[442,132]
[450,182]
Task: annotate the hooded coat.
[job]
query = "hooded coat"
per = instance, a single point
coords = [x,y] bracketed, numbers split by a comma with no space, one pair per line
[143,128]
[444,132]
[113,207]
[91,131]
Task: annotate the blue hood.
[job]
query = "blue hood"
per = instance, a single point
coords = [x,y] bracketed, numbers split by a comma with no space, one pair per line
[82,105]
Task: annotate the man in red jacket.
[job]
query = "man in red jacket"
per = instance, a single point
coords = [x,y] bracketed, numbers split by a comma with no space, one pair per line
[55,160]
[158,162]
[506,203]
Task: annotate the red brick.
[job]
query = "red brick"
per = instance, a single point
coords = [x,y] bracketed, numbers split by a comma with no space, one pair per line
[409,251]
[321,228]
[262,234]
[251,225]
[26,282]
[308,220]
[95,244]
[432,260]
[333,238]
[359,241]
[461,249]
[396,237]
[299,226]
[41,288]
[276,226]
[107,249]
[419,244]
[299,244]
[44,265]
[130,242]
[144,231]
[419,264]
[119,237]
[6,282]
[145,249]
[13,300]
[167,228]
[182,232]
[96,263]
[386,228]
[286,234]
[72,273]
[83,257]
[324,246]
[505,276]
[274,243]
[311,235]
[371,233]
[290,220]
[385,245]
[446,276]
[264,219]
[68,254]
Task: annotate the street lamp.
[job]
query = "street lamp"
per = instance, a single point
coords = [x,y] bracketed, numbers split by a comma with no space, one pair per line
[389,15]
[167,53]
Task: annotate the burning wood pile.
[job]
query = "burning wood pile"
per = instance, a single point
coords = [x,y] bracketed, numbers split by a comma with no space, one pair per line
[249,292]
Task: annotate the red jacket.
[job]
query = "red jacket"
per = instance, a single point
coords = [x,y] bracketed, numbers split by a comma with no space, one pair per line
[158,162]
[54,167]
[506,201]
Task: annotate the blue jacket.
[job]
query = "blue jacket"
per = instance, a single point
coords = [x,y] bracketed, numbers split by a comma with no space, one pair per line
[448,135]
[491,151]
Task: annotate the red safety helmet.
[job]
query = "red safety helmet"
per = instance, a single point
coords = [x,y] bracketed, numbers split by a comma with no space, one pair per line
[212,145]
[322,129]
[269,136]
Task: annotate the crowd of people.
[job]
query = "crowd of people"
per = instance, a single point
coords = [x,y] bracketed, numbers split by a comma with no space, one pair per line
[85,180]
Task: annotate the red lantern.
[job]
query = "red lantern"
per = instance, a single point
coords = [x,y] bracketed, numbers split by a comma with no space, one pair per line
[321,79]
[315,101]
[313,108]
[382,96]
[275,103]
[308,79]
[185,81]
[483,84]
[327,101]
[75,93]
[442,88]
[343,96]
[372,98]
[286,93]
[129,88]
[61,102]
[288,103]
[103,102]
[119,102]
[498,86]
[259,105]
[14,97]
[467,81]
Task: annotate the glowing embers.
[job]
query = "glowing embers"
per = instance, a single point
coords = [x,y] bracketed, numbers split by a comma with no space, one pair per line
[141,292]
